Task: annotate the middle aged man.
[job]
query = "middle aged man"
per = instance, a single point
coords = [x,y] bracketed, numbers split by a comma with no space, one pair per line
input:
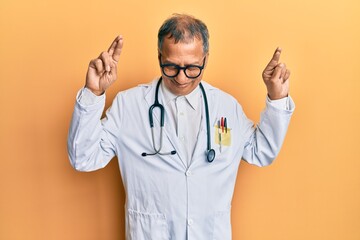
[179,179]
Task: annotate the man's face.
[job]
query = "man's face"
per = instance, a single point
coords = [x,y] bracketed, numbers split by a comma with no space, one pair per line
[182,54]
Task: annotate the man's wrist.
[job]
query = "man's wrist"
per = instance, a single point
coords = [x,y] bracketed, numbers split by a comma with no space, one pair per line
[95,92]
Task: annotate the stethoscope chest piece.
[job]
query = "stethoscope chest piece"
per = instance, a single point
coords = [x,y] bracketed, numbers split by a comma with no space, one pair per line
[210,155]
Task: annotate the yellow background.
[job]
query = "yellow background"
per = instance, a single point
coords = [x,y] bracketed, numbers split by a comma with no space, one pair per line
[312,191]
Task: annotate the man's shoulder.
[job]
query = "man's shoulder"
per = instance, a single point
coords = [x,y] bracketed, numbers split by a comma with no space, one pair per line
[218,93]
[136,91]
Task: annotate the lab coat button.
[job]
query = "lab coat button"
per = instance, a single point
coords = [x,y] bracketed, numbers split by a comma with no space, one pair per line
[188,173]
[190,222]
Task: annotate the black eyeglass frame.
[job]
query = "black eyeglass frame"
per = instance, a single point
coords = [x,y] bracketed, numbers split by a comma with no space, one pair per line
[178,68]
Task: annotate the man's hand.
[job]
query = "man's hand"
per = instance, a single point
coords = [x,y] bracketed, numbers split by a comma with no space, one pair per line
[102,71]
[276,76]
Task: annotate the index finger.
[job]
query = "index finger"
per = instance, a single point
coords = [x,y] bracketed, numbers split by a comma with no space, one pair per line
[275,59]
[115,48]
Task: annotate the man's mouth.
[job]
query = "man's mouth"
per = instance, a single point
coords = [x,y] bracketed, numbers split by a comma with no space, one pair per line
[180,85]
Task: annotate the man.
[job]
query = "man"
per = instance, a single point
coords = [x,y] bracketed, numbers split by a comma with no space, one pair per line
[179,178]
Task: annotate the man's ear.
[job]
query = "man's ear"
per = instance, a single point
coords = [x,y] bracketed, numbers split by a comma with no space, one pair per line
[159,56]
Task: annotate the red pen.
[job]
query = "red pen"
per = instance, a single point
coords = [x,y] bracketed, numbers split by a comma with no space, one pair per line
[222,124]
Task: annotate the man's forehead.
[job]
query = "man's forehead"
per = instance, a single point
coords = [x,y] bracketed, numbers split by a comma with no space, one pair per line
[186,38]
[170,44]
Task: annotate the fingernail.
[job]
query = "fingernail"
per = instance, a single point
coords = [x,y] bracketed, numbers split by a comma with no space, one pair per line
[108,68]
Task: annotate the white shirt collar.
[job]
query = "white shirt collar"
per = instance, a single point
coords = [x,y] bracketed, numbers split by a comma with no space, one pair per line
[193,98]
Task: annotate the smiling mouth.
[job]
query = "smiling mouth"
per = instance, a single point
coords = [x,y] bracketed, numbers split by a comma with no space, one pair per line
[180,85]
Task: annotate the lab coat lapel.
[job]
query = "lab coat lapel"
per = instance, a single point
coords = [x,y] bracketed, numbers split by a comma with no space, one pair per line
[169,130]
[201,143]
[200,150]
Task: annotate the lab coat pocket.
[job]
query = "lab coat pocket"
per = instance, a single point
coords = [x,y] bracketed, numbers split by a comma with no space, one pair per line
[222,226]
[147,226]
[222,138]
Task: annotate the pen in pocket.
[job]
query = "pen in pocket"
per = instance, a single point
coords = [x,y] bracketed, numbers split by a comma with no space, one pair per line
[219,133]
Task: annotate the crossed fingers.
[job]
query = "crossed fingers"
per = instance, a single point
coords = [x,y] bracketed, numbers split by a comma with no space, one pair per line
[108,60]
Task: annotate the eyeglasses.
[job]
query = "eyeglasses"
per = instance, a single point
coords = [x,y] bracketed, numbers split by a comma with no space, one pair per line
[172,70]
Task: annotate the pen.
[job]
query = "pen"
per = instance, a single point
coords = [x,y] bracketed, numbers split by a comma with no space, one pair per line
[225,125]
[220,141]
[222,124]
[219,132]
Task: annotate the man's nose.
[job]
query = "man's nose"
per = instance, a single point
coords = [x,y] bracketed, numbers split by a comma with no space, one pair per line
[181,77]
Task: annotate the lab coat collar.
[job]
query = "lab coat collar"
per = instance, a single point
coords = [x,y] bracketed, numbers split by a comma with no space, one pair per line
[193,98]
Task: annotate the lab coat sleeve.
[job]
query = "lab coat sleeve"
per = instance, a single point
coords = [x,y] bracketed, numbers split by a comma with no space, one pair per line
[265,139]
[91,140]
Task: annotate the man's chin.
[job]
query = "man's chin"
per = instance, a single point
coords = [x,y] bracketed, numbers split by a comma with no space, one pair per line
[180,89]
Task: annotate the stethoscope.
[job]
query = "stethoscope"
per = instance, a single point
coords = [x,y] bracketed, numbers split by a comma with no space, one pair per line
[210,153]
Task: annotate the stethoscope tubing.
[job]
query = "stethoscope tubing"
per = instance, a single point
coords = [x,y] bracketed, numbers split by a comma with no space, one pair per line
[210,153]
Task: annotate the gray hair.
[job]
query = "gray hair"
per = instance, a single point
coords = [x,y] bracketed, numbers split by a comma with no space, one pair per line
[183,28]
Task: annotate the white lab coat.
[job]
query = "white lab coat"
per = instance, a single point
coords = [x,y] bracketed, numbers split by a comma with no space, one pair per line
[166,198]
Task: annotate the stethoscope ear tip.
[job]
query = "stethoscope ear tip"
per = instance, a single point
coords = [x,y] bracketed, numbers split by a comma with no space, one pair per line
[143,154]
[173,152]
